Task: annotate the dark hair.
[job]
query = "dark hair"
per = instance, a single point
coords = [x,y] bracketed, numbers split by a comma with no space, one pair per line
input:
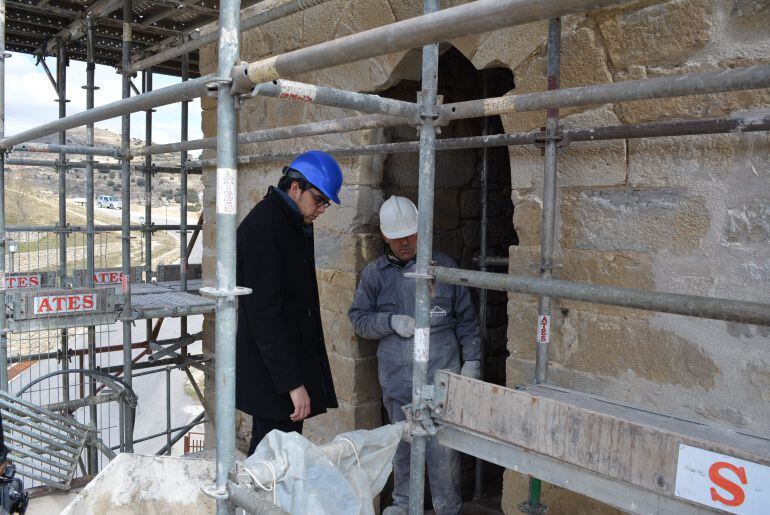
[289,176]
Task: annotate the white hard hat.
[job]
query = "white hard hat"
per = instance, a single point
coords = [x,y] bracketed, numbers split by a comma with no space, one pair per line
[398,218]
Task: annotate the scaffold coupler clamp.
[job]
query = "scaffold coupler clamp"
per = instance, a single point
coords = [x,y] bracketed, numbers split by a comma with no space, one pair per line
[212,85]
[542,137]
[527,507]
[215,492]
[219,293]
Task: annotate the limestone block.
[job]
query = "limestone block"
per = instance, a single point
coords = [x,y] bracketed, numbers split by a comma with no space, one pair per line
[614,346]
[355,213]
[581,164]
[758,374]
[509,47]
[658,35]
[622,269]
[748,221]
[346,252]
[342,339]
[640,221]
[527,216]
[689,107]
[583,63]
[355,380]
[336,289]
[558,500]
[471,234]
[320,23]
[686,160]
[323,428]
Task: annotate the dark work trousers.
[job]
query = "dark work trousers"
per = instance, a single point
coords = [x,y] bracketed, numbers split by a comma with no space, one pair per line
[261,426]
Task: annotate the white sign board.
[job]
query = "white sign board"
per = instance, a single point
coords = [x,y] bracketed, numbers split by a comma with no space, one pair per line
[108,277]
[58,304]
[723,482]
[22,281]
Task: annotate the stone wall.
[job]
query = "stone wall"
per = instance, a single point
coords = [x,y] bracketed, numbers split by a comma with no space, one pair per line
[685,215]
[678,214]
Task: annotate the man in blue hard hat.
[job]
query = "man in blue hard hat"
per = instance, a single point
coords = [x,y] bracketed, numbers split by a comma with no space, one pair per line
[282,370]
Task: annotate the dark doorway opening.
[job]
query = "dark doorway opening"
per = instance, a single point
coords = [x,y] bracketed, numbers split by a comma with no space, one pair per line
[457,205]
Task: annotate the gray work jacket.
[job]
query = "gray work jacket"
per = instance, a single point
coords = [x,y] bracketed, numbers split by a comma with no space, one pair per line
[384,291]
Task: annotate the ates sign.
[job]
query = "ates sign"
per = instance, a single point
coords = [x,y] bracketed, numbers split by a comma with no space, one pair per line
[115,277]
[64,303]
[22,281]
[723,482]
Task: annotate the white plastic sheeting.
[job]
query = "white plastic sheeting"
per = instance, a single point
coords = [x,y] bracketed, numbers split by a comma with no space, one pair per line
[341,477]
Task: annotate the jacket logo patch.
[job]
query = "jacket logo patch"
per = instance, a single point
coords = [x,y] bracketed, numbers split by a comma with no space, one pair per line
[437,312]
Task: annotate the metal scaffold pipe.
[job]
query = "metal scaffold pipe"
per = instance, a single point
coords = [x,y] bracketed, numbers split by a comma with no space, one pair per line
[86,150]
[421,350]
[93,463]
[3,322]
[61,82]
[750,77]
[168,95]
[751,122]
[128,429]
[547,229]
[300,92]
[339,125]
[675,303]
[281,10]
[226,209]
[463,20]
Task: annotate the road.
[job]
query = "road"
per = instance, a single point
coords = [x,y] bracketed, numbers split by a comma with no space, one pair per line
[162,215]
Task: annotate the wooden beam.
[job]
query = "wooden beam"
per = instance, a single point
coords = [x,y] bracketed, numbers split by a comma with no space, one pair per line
[630,445]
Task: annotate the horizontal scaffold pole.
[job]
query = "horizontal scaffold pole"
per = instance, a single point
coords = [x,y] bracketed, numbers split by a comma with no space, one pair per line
[168,95]
[53,148]
[751,122]
[300,92]
[750,77]
[454,22]
[678,304]
[339,125]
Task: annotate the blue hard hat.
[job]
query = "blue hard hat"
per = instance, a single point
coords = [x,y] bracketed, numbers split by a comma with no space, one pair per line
[322,171]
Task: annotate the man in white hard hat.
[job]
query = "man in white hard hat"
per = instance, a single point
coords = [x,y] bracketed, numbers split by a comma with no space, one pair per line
[383,309]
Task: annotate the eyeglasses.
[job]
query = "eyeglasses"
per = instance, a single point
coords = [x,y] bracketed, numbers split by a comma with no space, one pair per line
[320,200]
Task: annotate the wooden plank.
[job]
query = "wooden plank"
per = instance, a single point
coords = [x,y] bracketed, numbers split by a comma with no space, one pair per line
[628,444]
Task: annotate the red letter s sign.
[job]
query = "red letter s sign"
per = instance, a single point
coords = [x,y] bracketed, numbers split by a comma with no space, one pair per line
[738,495]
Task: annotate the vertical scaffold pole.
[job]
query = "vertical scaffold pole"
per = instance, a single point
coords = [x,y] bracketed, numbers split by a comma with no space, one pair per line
[227,202]
[478,477]
[146,88]
[93,464]
[61,85]
[547,231]
[427,165]
[3,322]
[126,221]
[183,204]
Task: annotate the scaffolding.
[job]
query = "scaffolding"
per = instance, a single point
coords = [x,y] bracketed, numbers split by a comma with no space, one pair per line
[445,410]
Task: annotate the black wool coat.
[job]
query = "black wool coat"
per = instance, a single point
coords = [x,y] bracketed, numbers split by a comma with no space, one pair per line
[280,343]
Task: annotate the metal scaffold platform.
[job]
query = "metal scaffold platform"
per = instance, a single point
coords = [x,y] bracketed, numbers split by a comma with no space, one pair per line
[65,307]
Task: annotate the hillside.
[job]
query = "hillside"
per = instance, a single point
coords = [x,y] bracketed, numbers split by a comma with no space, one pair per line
[107,182]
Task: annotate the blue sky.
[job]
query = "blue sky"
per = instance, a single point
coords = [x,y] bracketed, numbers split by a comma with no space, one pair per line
[30,99]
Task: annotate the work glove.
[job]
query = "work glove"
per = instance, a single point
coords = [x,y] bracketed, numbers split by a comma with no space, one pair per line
[403,325]
[471,369]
